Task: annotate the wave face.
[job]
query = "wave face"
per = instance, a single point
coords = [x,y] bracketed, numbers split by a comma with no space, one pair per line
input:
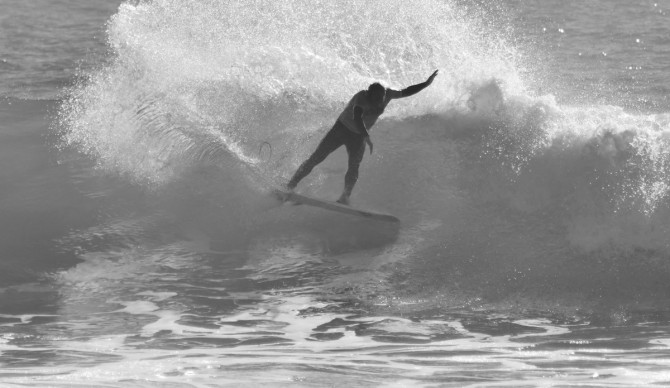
[502,190]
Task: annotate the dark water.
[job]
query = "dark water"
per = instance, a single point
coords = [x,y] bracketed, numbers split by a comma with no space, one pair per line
[140,247]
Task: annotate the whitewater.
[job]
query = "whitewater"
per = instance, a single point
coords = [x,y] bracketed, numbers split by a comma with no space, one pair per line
[532,181]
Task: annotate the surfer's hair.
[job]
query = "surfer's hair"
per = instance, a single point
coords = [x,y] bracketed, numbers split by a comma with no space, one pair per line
[376,88]
[376,92]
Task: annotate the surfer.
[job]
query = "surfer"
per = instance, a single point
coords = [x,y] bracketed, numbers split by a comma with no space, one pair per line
[352,130]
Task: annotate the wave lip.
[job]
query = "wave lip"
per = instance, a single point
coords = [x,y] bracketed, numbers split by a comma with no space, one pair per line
[263,73]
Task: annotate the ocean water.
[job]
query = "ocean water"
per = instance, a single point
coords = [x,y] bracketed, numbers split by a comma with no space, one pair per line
[140,247]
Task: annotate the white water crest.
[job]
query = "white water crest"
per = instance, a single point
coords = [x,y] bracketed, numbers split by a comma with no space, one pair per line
[188,74]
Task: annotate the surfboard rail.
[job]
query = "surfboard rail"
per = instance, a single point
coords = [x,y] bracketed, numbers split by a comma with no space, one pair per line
[333,206]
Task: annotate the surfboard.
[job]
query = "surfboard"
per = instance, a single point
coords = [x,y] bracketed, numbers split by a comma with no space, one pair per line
[285,196]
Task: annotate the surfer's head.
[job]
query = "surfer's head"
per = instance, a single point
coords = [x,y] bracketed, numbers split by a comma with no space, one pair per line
[376,93]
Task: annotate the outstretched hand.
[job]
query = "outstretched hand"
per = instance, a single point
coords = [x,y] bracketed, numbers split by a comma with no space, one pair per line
[432,77]
[367,140]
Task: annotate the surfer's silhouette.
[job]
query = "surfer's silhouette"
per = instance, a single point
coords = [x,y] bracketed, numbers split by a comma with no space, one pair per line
[351,130]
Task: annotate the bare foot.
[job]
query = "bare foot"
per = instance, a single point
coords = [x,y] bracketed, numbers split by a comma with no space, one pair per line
[343,200]
[280,195]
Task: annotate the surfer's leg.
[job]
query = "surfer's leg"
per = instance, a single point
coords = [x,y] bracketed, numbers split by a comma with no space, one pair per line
[356,149]
[332,141]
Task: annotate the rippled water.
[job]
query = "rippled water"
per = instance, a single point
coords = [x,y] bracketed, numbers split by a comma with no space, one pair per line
[181,318]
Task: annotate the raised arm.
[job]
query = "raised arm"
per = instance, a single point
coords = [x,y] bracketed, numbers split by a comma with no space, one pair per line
[411,90]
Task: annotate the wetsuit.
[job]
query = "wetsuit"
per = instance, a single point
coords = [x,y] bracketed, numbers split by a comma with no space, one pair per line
[347,131]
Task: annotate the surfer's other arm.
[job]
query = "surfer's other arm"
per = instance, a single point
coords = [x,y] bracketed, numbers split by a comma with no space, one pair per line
[358,119]
[411,90]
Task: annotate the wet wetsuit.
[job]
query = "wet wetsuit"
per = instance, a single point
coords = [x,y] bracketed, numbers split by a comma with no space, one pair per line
[345,132]
[351,132]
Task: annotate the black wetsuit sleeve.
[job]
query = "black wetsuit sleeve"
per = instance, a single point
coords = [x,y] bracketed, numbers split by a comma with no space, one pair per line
[414,89]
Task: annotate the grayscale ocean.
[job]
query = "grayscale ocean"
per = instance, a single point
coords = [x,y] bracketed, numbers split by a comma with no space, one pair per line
[139,245]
